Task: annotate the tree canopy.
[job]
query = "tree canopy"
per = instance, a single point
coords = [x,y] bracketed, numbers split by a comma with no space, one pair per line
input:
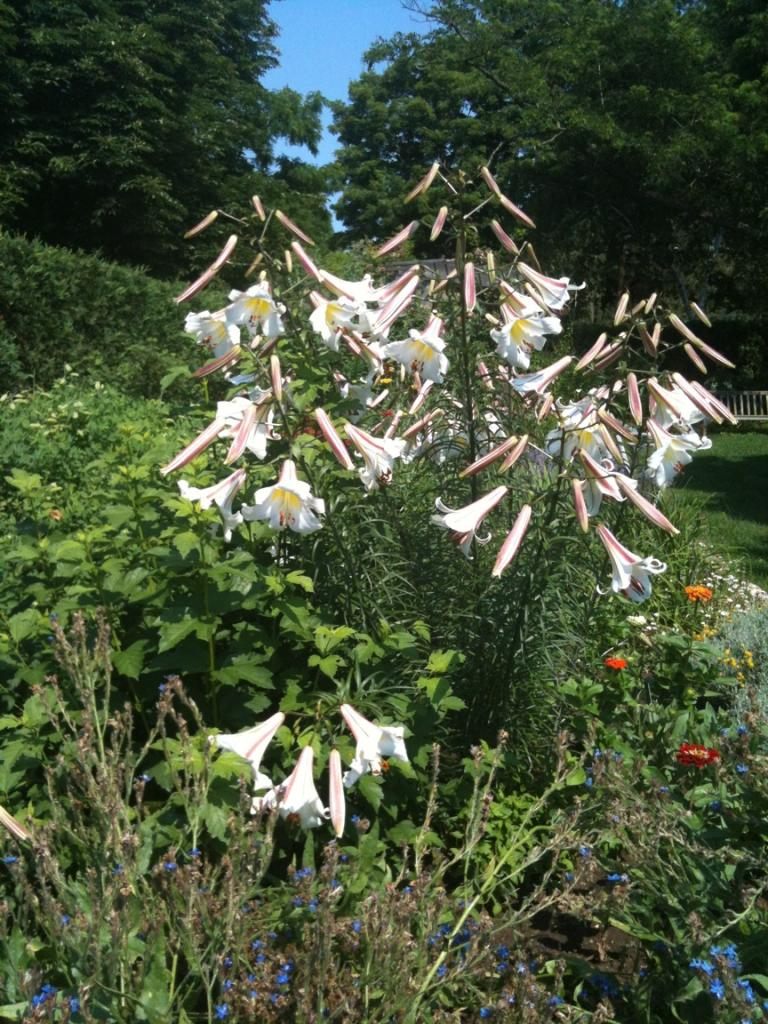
[633,132]
[123,121]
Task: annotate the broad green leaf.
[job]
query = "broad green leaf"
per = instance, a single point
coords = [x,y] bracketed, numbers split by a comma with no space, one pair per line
[129,662]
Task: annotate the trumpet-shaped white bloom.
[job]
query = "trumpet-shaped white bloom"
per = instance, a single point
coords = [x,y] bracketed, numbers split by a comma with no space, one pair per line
[213,331]
[525,327]
[257,310]
[251,745]
[580,429]
[297,797]
[672,453]
[330,317]
[374,744]
[421,352]
[464,522]
[673,408]
[631,574]
[221,494]
[288,503]
[379,454]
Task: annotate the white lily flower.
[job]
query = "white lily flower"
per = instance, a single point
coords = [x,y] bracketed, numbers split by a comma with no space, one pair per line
[464,522]
[288,503]
[555,291]
[375,743]
[379,454]
[251,745]
[631,574]
[257,310]
[220,494]
[672,453]
[579,429]
[673,407]
[297,797]
[329,317]
[526,326]
[213,331]
[421,352]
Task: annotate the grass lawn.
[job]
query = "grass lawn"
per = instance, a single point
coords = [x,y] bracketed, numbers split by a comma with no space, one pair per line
[733,477]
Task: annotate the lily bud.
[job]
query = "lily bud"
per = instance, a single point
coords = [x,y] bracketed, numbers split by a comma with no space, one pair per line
[515,211]
[700,314]
[336,801]
[504,238]
[490,181]
[277,379]
[293,228]
[424,184]
[694,356]
[439,223]
[515,454]
[470,293]
[514,539]
[592,353]
[259,208]
[305,261]
[338,447]
[621,309]
[204,223]
[211,272]
[396,240]
[635,402]
[580,506]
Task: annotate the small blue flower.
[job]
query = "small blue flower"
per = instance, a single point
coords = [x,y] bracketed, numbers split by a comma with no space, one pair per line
[357,926]
[408,890]
[597,754]
[441,971]
[283,978]
[569,876]
[117,869]
[702,965]
[589,783]
[74,1004]
[227,985]
[194,852]
[343,858]
[731,955]
[312,905]
[486,1012]
[9,859]
[145,778]
[749,994]
[65,919]
[502,952]
[717,988]
[170,865]
[715,805]
[221,1011]
[556,1001]
[615,878]
[297,901]
[355,819]
[585,851]
[742,768]
[742,730]
[46,992]
[663,789]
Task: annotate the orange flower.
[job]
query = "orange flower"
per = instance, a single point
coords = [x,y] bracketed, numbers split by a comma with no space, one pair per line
[617,664]
[692,753]
[698,593]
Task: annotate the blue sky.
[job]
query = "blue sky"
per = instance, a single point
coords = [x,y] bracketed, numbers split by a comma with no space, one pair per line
[322,43]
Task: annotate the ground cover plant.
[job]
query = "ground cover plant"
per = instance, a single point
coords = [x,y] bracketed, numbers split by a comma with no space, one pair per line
[417,563]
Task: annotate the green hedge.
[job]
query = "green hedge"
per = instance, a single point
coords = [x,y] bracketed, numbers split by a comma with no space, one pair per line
[110,323]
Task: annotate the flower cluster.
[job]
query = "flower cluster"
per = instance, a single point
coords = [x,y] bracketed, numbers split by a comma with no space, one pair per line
[699,594]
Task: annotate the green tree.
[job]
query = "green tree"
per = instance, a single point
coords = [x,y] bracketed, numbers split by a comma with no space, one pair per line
[611,123]
[124,121]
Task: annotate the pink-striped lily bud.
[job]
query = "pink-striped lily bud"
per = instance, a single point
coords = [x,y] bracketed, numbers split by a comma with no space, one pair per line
[250,418]
[637,307]
[592,353]
[255,262]
[506,242]
[515,454]
[490,265]
[439,223]
[656,335]
[699,313]
[629,489]
[648,343]
[470,289]
[635,402]
[419,425]
[490,181]
[330,434]
[395,306]
[196,447]
[259,208]
[650,303]
[336,802]
[510,207]
[695,358]
[719,409]
[609,355]
[511,545]
[204,223]
[616,425]
[423,185]
[580,505]
[602,477]
[610,443]
[228,359]
[397,240]
[276,377]
[14,827]
[209,274]
[305,260]
[394,424]
[545,408]
[485,375]
[289,225]
[621,309]
[489,458]
[420,398]
[702,346]
[701,398]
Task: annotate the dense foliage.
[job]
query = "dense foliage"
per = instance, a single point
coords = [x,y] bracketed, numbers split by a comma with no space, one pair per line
[624,126]
[122,121]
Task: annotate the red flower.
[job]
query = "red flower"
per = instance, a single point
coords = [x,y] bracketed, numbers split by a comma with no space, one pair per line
[699,593]
[700,757]
[617,664]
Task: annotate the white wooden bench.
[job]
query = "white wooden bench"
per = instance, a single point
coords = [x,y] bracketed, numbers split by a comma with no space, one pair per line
[746,405]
